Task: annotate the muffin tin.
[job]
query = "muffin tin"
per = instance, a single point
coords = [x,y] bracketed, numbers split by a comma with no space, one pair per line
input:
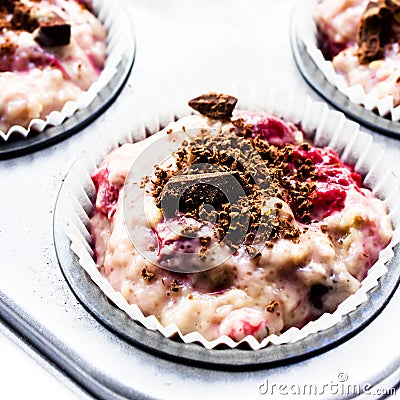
[321,125]
[91,341]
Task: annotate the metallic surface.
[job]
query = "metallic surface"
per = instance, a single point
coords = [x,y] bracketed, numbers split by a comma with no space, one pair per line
[180,44]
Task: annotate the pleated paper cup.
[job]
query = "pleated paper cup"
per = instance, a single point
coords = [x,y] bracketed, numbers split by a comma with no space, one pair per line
[322,126]
[119,38]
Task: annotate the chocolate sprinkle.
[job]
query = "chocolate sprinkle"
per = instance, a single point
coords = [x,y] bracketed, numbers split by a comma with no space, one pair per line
[174,285]
[7,48]
[272,305]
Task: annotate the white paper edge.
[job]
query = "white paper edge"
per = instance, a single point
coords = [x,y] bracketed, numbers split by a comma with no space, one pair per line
[306,29]
[328,128]
[117,26]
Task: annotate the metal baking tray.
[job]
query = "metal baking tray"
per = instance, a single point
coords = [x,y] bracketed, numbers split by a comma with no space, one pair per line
[37,302]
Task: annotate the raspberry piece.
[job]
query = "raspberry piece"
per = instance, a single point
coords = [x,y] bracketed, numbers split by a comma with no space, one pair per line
[107,193]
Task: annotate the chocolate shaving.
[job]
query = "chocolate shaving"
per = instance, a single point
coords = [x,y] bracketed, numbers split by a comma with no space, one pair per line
[376,29]
[214,105]
[16,15]
[324,228]
[22,18]
[271,306]
[147,275]
[7,48]
[253,252]
[203,251]
[174,285]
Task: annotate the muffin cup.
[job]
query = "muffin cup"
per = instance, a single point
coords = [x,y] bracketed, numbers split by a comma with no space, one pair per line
[112,16]
[322,126]
[307,31]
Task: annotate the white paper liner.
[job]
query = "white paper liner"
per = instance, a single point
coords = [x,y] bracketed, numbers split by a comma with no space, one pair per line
[306,30]
[325,127]
[120,42]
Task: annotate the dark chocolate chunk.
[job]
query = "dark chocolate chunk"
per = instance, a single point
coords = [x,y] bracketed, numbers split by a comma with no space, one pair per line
[53,31]
[369,34]
[190,192]
[214,105]
[376,29]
